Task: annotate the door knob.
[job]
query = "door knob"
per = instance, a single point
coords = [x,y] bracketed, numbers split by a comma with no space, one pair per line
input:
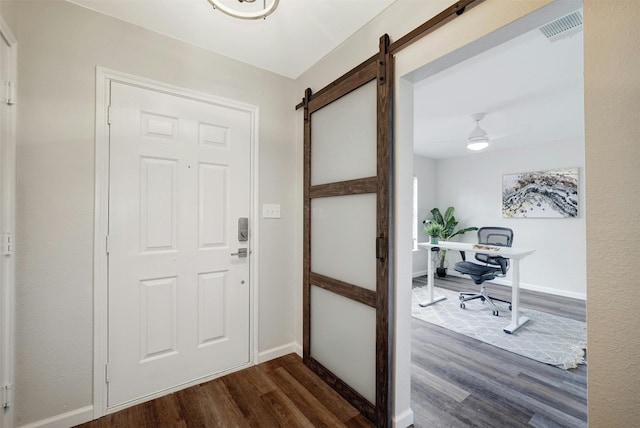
[242,252]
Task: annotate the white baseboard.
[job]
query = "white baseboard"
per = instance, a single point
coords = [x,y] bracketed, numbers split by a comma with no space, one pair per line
[404,419]
[65,420]
[299,349]
[277,352]
[523,286]
[541,289]
[419,273]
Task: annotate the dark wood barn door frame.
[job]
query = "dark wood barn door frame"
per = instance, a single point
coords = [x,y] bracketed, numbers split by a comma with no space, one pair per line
[381,68]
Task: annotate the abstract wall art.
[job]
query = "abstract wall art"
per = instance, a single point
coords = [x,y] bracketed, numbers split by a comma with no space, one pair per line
[541,194]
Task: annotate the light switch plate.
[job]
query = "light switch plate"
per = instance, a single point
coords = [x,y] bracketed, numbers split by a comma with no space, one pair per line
[270,210]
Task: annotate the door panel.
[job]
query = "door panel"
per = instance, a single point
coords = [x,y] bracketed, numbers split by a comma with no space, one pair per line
[344,238]
[157,318]
[343,339]
[178,299]
[212,204]
[159,204]
[344,138]
[211,308]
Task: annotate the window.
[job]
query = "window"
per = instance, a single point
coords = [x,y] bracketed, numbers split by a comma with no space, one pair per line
[415,213]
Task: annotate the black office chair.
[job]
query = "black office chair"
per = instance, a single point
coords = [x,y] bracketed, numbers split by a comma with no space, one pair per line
[492,267]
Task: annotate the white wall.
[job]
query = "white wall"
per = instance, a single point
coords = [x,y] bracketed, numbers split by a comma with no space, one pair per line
[473,185]
[425,170]
[60,46]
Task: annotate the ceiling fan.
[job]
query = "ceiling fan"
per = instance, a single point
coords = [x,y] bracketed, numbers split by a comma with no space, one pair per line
[475,139]
[478,139]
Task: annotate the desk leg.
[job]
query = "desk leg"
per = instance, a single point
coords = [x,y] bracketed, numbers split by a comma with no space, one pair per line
[516,320]
[432,299]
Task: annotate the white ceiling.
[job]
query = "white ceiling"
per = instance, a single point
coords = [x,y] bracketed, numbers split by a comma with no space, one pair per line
[531,90]
[288,42]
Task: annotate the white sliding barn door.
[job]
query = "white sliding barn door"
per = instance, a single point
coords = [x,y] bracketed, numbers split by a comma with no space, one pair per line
[178,296]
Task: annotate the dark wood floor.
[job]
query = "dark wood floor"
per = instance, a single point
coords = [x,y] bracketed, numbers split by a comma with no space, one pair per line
[458,381]
[278,393]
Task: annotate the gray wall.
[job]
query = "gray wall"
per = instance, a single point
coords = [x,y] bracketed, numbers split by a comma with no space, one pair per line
[60,45]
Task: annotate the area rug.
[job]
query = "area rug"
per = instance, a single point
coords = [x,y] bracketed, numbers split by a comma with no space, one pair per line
[546,338]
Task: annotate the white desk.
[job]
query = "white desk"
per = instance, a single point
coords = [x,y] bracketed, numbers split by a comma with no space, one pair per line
[514,254]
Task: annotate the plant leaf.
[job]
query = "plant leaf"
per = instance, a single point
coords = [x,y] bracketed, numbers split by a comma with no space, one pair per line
[465,230]
[437,216]
[449,224]
[448,215]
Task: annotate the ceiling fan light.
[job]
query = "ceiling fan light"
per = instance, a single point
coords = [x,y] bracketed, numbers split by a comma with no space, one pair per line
[478,144]
[260,14]
[478,139]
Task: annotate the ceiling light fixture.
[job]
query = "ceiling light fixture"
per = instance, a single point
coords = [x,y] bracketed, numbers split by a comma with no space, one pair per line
[478,139]
[268,6]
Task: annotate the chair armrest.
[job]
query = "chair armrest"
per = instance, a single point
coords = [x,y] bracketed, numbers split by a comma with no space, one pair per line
[503,264]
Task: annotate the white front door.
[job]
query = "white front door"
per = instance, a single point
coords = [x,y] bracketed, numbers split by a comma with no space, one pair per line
[178,298]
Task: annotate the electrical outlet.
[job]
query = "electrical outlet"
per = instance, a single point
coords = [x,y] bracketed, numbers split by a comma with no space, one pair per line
[270,210]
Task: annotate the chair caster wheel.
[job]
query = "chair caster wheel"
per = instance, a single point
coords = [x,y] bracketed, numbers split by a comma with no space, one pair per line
[461,305]
[495,313]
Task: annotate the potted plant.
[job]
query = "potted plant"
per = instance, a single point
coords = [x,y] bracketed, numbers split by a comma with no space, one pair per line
[448,224]
[434,230]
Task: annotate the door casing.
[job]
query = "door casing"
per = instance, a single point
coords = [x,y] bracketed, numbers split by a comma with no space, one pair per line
[101,220]
[7,228]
